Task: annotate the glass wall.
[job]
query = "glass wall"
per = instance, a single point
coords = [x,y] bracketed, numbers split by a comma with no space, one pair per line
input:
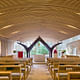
[64,46]
[39,48]
[18,48]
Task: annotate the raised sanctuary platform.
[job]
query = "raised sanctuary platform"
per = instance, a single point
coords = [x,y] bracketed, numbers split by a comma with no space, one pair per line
[39,58]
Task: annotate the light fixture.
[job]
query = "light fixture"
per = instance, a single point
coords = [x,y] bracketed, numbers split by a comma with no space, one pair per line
[71,26]
[78,13]
[5,27]
[1,13]
[15,32]
[63,32]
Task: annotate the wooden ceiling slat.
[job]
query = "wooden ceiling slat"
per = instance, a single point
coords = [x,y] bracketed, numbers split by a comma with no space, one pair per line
[5,4]
[74,4]
[11,2]
[40,16]
[2,3]
[77,5]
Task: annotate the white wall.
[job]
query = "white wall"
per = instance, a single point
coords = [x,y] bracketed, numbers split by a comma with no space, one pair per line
[10,47]
[6,46]
[74,47]
[3,47]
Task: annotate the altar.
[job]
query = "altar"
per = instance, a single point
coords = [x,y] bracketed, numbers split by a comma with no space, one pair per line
[39,58]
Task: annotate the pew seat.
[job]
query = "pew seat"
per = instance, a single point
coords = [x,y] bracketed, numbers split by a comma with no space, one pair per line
[23,67]
[25,63]
[73,75]
[65,69]
[15,69]
[5,75]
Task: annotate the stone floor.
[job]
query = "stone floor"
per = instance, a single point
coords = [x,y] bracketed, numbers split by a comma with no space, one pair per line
[39,72]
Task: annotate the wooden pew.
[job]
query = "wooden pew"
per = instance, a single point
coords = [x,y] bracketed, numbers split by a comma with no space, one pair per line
[73,75]
[71,56]
[26,68]
[15,69]
[64,69]
[5,75]
[53,64]
[23,67]
[27,60]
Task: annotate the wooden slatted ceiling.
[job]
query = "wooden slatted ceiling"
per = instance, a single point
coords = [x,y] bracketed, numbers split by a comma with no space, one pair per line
[40,17]
[74,4]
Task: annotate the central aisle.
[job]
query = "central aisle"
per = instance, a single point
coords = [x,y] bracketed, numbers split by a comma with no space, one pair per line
[39,72]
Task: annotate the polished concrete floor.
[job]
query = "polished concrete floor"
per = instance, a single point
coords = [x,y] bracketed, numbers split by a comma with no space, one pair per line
[39,72]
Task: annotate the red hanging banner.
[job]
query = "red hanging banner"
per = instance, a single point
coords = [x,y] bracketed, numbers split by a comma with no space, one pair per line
[20,54]
[55,51]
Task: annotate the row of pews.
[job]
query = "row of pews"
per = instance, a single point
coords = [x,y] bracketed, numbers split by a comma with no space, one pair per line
[64,68]
[14,69]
